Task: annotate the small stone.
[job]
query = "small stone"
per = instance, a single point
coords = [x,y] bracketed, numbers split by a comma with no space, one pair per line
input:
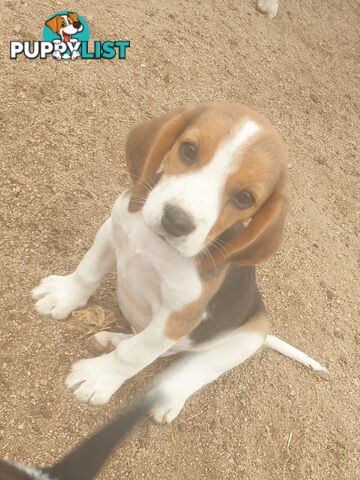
[338,333]
[21,426]
[322,284]
[330,294]
[314,98]
[181,427]
[17,29]
[43,382]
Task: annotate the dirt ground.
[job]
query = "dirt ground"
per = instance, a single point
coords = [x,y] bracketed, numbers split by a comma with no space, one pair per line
[63,126]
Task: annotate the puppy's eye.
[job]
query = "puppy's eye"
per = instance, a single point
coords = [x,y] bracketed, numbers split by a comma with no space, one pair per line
[242,199]
[188,153]
[63,23]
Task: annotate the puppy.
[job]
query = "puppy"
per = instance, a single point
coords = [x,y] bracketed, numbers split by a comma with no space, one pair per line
[208,202]
[65,26]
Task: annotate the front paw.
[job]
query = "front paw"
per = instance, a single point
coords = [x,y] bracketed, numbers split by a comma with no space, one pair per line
[169,405]
[106,342]
[59,295]
[75,54]
[95,380]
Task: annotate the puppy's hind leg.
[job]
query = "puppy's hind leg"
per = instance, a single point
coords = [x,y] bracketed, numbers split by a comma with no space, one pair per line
[198,369]
[59,295]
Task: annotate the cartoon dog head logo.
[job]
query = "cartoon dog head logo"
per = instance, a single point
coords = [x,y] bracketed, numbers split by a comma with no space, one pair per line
[68,29]
[65,25]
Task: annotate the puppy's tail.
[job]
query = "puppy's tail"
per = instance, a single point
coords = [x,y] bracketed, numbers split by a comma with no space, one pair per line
[286,349]
[85,461]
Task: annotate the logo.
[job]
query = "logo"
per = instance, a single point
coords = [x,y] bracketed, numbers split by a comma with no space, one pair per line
[66,37]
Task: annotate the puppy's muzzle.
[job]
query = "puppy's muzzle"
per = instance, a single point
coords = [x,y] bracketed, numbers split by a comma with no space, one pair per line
[176,221]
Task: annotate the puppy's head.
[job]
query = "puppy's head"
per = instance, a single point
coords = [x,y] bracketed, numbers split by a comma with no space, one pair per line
[223,165]
[65,25]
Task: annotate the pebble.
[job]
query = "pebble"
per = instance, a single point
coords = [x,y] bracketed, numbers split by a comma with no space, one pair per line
[314,98]
[330,294]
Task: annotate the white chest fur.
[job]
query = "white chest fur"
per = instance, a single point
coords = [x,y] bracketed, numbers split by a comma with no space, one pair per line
[151,274]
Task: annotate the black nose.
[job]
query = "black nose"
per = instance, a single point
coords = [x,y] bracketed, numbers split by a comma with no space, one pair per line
[176,221]
[77,25]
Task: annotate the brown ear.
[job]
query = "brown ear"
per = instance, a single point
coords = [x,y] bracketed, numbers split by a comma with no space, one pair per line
[146,147]
[53,23]
[260,239]
[73,16]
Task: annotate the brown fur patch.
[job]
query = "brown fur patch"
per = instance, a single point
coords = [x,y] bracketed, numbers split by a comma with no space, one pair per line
[259,323]
[185,320]
[54,23]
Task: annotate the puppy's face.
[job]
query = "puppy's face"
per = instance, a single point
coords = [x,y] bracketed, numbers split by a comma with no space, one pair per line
[220,170]
[65,25]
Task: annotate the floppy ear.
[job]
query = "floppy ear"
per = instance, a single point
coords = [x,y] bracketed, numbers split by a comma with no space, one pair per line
[260,239]
[146,147]
[73,16]
[53,23]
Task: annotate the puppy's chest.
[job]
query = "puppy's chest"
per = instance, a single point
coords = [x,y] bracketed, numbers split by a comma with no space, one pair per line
[151,274]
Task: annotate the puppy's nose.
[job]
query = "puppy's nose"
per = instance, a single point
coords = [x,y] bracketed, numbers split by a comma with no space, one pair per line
[77,24]
[176,221]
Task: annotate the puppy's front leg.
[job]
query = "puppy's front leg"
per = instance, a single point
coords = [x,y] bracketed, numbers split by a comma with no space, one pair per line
[59,295]
[95,380]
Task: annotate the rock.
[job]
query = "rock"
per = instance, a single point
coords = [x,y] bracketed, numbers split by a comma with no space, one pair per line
[330,294]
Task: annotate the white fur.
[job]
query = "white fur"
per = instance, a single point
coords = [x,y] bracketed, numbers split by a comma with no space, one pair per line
[198,193]
[69,28]
[154,280]
[282,347]
[59,295]
[198,369]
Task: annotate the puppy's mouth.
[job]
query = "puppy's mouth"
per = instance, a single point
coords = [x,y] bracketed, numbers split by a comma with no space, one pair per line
[67,37]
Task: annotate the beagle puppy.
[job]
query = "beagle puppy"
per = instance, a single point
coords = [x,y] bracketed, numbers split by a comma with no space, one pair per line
[208,202]
[85,461]
[65,26]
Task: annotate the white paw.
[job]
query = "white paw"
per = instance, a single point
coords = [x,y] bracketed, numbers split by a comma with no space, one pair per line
[104,342]
[95,380]
[168,408]
[75,55]
[268,7]
[59,295]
